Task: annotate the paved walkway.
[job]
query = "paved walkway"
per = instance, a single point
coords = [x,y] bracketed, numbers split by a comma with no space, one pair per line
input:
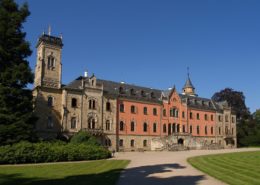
[166,168]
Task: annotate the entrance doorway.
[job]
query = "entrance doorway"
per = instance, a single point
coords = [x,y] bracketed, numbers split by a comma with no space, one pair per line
[180,141]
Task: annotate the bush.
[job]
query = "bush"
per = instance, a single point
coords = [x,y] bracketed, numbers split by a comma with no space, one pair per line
[25,152]
[84,137]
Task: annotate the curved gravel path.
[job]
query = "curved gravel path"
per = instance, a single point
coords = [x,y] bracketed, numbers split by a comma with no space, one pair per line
[167,168]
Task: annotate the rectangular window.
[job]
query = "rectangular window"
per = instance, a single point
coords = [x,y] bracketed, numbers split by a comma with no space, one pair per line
[133,111]
[122,108]
[154,111]
[121,142]
[183,114]
[183,128]
[50,123]
[132,143]
[212,118]
[191,129]
[73,123]
[145,110]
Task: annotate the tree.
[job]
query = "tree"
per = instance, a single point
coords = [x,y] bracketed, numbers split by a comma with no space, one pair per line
[235,99]
[16,110]
[256,116]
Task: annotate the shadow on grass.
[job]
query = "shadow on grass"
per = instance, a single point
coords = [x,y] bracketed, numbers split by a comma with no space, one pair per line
[145,175]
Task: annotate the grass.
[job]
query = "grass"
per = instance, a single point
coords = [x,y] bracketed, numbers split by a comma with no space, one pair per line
[90,173]
[235,168]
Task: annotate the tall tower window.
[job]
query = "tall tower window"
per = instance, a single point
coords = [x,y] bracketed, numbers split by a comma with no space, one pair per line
[50,122]
[51,62]
[74,102]
[108,125]
[164,128]
[73,123]
[50,101]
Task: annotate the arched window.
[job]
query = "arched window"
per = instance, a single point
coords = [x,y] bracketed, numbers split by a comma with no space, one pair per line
[108,125]
[191,129]
[122,107]
[198,116]
[198,129]
[73,102]
[50,101]
[145,110]
[183,128]
[211,130]
[132,143]
[206,117]
[164,128]
[183,114]
[91,123]
[108,106]
[121,126]
[145,127]
[206,130]
[51,62]
[73,123]
[132,126]
[49,122]
[164,112]
[145,143]
[154,111]
[219,118]
[154,127]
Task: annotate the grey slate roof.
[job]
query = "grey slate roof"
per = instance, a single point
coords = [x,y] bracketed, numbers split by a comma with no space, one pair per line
[122,90]
[188,84]
[139,93]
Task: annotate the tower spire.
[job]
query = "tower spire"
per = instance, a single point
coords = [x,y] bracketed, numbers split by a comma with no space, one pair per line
[188,72]
[49,30]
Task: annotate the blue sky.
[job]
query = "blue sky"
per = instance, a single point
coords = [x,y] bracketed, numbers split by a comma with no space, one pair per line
[151,43]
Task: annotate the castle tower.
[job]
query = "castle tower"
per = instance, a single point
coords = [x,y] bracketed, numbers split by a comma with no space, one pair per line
[48,66]
[188,88]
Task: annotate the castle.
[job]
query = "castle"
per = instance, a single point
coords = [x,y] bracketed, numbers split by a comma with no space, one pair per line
[125,117]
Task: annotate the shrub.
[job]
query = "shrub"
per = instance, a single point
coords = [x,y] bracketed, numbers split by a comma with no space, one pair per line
[84,137]
[25,152]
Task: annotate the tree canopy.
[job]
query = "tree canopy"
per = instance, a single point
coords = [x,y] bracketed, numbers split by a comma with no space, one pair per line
[235,99]
[16,110]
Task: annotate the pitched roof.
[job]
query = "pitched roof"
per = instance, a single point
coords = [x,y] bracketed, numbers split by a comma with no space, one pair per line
[188,84]
[122,90]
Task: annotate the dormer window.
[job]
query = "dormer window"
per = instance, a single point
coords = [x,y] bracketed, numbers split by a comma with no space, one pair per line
[143,94]
[203,103]
[121,90]
[132,91]
[152,95]
[51,62]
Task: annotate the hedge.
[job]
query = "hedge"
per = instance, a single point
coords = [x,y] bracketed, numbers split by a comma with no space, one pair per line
[26,152]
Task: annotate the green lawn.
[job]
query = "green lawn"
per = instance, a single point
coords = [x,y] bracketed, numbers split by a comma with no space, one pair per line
[234,168]
[78,173]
